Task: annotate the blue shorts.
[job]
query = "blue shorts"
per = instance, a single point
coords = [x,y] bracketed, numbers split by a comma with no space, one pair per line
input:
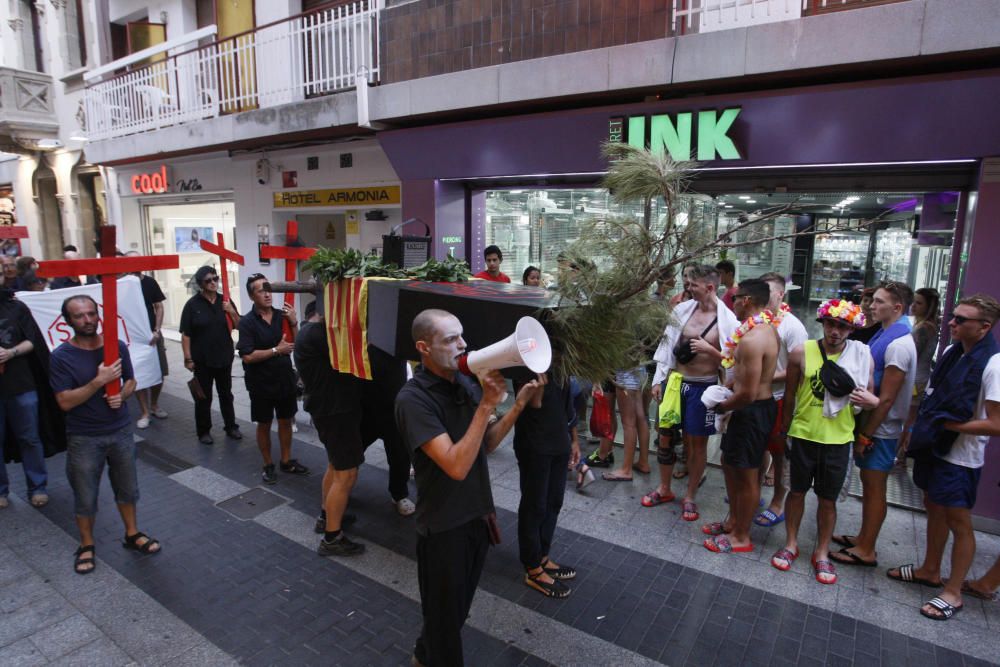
[945,483]
[696,419]
[881,455]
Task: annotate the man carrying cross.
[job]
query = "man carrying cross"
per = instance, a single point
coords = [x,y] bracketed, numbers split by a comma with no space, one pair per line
[98,427]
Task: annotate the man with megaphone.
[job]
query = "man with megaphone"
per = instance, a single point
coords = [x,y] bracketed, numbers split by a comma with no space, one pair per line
[450,424]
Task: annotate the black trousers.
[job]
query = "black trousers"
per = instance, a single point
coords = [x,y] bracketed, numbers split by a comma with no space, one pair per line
[398,458]
[448,568]
[223,379]
[543,485]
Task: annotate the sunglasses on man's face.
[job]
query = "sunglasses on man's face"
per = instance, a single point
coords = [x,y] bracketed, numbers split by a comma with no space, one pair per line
[211,279]
[960,319]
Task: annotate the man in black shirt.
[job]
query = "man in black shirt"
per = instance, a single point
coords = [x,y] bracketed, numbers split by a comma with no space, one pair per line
[208,352]
[152,295]
[70,252]
[333,400]
[268,373]
[449,424]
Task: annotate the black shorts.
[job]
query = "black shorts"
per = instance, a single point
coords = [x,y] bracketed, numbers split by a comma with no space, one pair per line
[818,466]
[341,436]
[263,409]
[745,441]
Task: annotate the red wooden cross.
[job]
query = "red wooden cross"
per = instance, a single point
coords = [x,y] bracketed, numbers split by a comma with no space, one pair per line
[292,254]
[13,232]
[108,267]
[224,254]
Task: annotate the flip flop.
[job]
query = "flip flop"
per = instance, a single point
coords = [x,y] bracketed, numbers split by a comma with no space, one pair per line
[713,529]
[947,610]
[720,544]
[845,557]
[967,589]
[608,477]
[767,518]
[824,567]
[689,511]
[654,498]
[906,576]
[844,541]
[785,555]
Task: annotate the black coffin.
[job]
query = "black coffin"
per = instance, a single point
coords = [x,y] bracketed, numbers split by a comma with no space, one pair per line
[488,311]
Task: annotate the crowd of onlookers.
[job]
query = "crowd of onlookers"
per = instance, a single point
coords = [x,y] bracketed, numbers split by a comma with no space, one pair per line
[872,389]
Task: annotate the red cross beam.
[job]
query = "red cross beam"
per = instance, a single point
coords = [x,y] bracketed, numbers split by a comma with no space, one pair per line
[224,254]
[107,268]
[13,232]
[292,253]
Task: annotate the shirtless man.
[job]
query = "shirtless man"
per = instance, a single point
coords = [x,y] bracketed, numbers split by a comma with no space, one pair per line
[753,413]
[692,348]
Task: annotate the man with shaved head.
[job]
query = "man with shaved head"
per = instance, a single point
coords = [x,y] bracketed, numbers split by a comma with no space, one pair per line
[449,423]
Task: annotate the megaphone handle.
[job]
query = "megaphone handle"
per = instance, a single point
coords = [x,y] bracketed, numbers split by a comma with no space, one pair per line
[481,378]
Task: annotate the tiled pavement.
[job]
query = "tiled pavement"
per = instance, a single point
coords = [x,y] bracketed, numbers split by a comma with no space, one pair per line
[255,590]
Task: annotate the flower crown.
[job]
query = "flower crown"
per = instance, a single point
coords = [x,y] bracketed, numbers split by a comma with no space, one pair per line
[840,309]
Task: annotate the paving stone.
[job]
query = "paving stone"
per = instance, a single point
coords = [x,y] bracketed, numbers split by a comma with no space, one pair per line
[66,636]
[32,617]
[21,653]
[100,652]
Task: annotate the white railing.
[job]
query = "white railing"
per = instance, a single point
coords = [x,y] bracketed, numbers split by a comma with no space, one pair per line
[710,15]
[286,61]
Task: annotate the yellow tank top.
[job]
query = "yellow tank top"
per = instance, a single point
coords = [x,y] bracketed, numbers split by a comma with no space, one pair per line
[808,423]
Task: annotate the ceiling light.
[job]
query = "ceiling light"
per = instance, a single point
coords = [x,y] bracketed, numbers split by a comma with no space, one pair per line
[744,197]
[751,201]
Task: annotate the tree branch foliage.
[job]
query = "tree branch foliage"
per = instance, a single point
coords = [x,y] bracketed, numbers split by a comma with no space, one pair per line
[606,320]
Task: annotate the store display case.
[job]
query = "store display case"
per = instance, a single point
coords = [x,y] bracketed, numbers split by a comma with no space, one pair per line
[839,260]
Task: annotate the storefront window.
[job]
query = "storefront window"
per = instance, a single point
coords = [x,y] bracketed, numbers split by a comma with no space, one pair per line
[178,228]
[533,226]
[910,241]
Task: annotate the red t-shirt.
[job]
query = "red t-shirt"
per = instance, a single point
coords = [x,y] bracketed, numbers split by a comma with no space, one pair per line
[727,298]
[485,275]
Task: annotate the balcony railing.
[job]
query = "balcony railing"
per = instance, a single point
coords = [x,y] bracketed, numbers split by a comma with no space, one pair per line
[304,56]
[711,15]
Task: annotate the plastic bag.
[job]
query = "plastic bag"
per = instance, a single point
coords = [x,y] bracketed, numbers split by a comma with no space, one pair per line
[601,423]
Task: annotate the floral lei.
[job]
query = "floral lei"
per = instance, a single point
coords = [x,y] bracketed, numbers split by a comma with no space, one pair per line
[763,317]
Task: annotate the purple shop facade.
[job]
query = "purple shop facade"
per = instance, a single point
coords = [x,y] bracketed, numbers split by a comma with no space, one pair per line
[916,123]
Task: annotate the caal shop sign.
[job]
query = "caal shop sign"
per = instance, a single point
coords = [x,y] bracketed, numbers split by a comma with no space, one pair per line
[675,134]
[376,196]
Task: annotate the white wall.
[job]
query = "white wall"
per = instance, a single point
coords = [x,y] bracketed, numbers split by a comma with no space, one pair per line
[181,16]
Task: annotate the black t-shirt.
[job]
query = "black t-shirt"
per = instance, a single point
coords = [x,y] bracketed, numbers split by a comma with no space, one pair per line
[426,407]
[545,430]
[273,377]
[70,281]
[151,293]
[15,323]
[328,392]
[205,324]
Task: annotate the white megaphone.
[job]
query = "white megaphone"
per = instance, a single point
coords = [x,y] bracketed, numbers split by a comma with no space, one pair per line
[527,346]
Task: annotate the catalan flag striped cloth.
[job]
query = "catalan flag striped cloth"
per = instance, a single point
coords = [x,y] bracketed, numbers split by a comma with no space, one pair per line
[345,303]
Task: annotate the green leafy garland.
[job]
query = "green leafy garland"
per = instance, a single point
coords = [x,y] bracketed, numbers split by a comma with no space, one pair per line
[331,264]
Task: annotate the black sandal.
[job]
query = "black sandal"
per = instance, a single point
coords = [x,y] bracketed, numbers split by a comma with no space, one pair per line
[132,543]
[561,572]
[80,560]
[556,589]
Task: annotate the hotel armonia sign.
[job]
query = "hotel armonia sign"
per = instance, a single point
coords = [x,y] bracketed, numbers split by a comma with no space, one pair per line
[347,197]
[675,134]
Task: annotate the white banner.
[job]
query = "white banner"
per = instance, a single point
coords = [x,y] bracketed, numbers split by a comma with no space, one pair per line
[133,323]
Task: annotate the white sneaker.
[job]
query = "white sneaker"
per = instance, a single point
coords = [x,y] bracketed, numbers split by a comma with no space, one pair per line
[295,427]
[160,413]
[405,507]
[142,423]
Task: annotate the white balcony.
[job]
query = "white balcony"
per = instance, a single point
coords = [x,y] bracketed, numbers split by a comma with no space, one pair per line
[294,59]
[694,16]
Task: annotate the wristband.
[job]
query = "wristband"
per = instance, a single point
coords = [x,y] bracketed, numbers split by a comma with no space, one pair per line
[864,440]
[274,351]
[187,359]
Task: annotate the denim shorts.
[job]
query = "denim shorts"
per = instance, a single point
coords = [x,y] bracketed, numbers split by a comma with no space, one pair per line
[880,456]
[85,459]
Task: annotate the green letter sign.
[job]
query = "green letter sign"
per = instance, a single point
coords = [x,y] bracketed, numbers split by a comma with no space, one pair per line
[712,136]
[674,135]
